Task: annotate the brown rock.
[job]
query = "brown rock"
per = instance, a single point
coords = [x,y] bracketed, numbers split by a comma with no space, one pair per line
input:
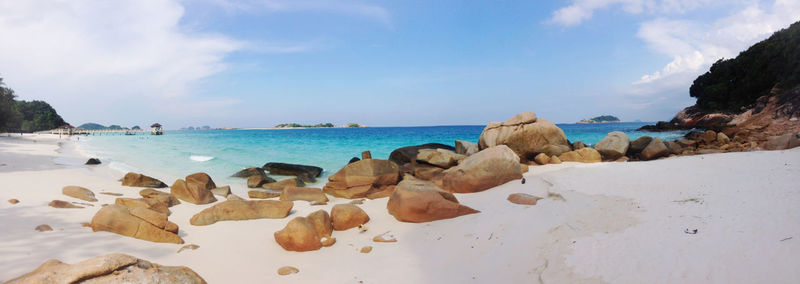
[382,238]
[638,145]
[542,159]
[299,235]
[222,191]
[119,219]
[255,181]
[709,151]
[43,228]
[555,160]
[613,146]
[242,210]
[708,137]
[523,168]
[280,185]
[159,196]
[722,138]
[79,193]
[140,180]
[263,193]
[782,142]
[366,249]
[111,193]
[421,201]
[656,149]
[62,204]
[466,147]
[286,270]
[248,172]
[13,201]
[486,169]
[154,204]
[526,135]
[426,172]
[346,216]
[439,157]
[310,194]
[577,145]
[366,155]
[326,241]
[585,155]
[523,198]
[622,159]
[673,148]
[686,142]
[196,189]
[188,247]
[408,154]
[322,223]
[111,268]
[359,179]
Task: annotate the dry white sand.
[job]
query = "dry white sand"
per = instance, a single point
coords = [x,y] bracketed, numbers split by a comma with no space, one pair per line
[607,222]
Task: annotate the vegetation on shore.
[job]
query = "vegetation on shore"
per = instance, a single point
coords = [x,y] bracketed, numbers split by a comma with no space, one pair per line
[25,116]
[601,119]
[318,125]
[733,84]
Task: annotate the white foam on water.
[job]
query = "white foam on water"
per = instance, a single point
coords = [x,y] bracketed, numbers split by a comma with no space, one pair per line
[198,158]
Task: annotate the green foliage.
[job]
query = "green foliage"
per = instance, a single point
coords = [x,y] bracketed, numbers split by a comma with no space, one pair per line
[297,125]
[10,117]
[25,116]
[605,118]
[92,126]
[114,127]
[731,84]
[353,124]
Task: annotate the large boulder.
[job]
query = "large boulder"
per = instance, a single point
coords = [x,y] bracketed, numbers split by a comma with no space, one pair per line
[305,233]
[527,135]
[196,189]
[361,178]
[655,149]
[78,192]
[408,154]
[486,169]
[140,223]
[302,172]
[310,194]
[466,147]
[613,146]
[242,210]
[155,204]
[419,201]
[584,155]
[110,268]
[160,196]
[346,216]
[439,157]
[140,180]
[782,142]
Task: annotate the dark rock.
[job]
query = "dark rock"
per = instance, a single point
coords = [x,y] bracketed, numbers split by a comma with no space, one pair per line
[248,172]
[409,153]
[353,160]
[303,172]
[93,161]
[638,145]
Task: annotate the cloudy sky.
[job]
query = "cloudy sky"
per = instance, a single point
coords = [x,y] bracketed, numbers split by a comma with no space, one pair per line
[383,63]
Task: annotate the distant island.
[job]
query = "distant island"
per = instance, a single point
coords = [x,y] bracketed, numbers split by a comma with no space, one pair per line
[318,125]
[601,119]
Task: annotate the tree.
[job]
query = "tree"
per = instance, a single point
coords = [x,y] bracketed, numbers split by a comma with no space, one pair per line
[10,117]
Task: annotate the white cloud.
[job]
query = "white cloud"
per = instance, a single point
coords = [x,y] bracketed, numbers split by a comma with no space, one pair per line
[582,10]
[345,7]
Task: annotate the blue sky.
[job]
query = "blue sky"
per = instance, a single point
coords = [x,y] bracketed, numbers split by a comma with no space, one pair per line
[381,63]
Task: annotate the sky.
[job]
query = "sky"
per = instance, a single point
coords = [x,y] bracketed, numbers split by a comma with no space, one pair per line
[380,63]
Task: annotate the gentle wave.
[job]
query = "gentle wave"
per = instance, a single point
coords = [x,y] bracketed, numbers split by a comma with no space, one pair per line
[198,158]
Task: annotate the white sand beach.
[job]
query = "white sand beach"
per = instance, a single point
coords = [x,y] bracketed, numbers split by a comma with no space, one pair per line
[718,218]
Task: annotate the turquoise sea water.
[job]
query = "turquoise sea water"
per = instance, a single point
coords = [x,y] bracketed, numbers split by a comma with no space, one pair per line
[221,153]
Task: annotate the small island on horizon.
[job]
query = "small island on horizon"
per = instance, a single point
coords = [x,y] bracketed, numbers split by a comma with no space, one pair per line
[600,119]
[318,125]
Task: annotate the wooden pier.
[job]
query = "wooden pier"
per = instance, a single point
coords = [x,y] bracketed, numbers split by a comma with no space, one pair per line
[77,131]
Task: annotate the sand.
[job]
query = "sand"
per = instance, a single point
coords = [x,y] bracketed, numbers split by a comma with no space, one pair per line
[599,223]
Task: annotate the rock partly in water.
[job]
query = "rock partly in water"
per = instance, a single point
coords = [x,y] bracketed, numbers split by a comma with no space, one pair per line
[527,135]
[140,223]
[347,216]
[310,194]
[78,192]
[256,181]
[159,196]
[110,268]
[408,154]
[584,155]
[654,150]
[353,160]
[196,189]
[359,179]
[613,146]
[62,204]
[93,161]
[303,172]
[140,180]
[523,198]
[466,147]
[419,201]
[248,172]
[242,210]
[486,169]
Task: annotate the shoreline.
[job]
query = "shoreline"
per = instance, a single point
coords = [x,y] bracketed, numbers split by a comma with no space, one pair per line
[638,221]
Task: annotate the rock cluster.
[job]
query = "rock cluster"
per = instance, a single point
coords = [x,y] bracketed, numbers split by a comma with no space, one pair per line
[140,223]
[364,178]
[196,189]
[486,169]
[527,135]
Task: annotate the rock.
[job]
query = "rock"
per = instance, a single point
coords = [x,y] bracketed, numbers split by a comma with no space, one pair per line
[280,185]
[384,191]
[196,189]
[110,268]
[577,145]
[159,196]
[361,178]
[683,142]
[708,151]
[155,204]
[439,157]
[523,168]
[255,181]
[13,201]
[655,149]
[523,198]
[622,159]
[382,238]
[708,137]
[782,142]
[326,242]
[486,169]
[366,249]
[222,191]
[613,146]
[62,204]
[353,160]
[366,155]
[248,172]
[300,234]
[304,172]
[79,193]
[310,194]
[93,161]
[584,155]
[419,201]
[466,147]
[555,160]
[242,210]
[140,180]
[188,247]
[722,138]
[408,154]
[638,144]
[426,172]
[346,216]
[263,193]
[542,159]
[322,223]
[111,193]
[286,270]
[526,135]
[140,223]
[673,148]
[43,228]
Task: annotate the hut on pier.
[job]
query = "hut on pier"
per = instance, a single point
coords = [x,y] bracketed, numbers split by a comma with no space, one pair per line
[65,129]
[156,129]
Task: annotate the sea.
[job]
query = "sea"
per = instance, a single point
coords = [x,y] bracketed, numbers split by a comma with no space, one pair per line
[221,153]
